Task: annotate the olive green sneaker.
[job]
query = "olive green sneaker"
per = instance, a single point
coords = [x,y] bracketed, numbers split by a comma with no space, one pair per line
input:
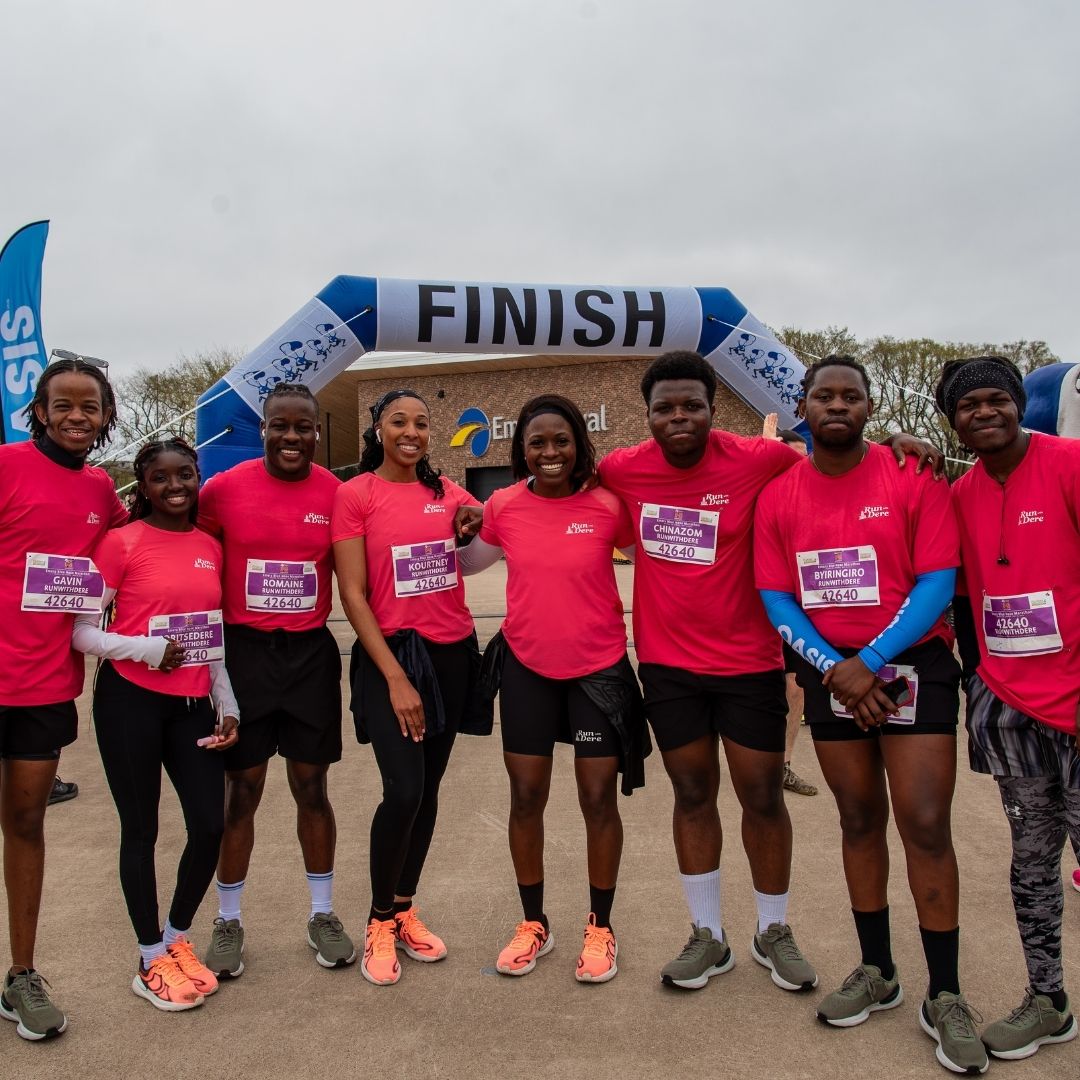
[325,934]
[1034,1023]
[702,958]
[864,991]
[950,1021]
[225,955]
[776,950]
[26,1001]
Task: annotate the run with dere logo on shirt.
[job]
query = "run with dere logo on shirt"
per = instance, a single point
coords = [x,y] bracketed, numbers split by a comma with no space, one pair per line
[1027,610]
[48,509]
[418,587]
[260,519]
[850,547]
[157,572]
[697,608]
[564,617]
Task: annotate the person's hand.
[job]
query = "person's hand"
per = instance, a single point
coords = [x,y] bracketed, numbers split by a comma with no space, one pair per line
[874,709]
[226,734]
[905,445]
[849,681]
[467,520]
[768,426]
[408,708]
[174,656]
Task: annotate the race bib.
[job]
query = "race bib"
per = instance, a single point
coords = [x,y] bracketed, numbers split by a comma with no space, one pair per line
[1021,625]
[841,577]
[677,534]
[906,715]
[425,568]
[61,583]
[200,633]
[281,586]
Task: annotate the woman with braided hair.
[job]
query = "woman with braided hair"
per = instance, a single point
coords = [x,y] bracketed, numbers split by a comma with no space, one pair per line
[414,664]
[163,700]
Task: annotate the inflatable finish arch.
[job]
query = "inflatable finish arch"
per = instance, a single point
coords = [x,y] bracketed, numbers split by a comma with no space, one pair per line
[354,315]
[1053,400]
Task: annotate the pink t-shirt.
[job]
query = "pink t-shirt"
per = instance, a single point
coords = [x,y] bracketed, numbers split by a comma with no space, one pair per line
[695,605]
[47,509]
[154,573]
[564,617]
[413,582]
[1027,610]
[272,531]
[850,547]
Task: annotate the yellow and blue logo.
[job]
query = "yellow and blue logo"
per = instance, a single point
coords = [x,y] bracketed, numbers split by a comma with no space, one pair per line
[474,429]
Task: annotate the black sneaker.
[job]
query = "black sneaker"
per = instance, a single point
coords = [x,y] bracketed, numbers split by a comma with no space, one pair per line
[61,791]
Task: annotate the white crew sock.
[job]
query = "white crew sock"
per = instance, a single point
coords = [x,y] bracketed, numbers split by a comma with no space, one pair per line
[229,897]
[322,893]
[703,895]
[171,933]
[149,952]
[771,908]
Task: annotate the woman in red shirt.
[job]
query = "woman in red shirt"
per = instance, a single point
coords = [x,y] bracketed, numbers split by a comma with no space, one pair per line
[154,708]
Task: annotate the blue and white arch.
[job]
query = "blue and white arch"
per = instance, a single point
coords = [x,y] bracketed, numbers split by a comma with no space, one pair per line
[1053,400]
[355,315]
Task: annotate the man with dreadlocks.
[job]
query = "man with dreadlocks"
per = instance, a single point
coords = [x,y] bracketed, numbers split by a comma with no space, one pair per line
[1019,515]
[53,509]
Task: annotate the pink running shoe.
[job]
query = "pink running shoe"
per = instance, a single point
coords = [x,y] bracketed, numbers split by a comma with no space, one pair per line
[416,939]
[530,940]
[380,965]
[597,960]
[202,978]
[1076,879]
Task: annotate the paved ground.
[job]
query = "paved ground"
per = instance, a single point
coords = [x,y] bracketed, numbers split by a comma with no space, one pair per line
[288,1018]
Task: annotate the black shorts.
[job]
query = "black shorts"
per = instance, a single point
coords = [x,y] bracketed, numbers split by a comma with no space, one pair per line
[288,687]
[792,660]
[37,732]
[537,712]
[936,708]
[750,710]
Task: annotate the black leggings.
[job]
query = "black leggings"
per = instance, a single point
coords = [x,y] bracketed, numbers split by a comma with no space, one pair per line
[138,732]
[404,822]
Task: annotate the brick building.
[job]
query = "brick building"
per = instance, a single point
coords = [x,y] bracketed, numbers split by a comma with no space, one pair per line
[606,389]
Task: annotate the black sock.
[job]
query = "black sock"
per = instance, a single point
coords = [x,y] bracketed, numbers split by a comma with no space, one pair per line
[942,951]
[532,903]
[382,916]
[401,906]
[874,940]
[1058,997]
[600,901]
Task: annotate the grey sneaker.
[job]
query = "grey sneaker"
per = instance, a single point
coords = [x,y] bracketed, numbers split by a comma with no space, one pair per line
[950,1021]
[333,947]
[26,1001]
[702,958]
[864,991]
[225,955]
[794,782]
[776,950]
[1031,1025]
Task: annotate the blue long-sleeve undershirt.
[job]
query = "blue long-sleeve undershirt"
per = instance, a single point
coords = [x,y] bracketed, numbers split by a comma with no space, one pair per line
[919,611]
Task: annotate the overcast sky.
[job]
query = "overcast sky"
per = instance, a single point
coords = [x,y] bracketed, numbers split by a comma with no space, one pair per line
[900,168]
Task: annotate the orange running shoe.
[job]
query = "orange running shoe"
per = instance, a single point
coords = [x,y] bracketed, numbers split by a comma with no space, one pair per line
[597,960]
[416,939]
[530,941]
[202,978]
[380,965]
[165,986]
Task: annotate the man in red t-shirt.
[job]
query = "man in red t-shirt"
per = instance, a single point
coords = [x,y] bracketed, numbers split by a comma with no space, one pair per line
[1019,515]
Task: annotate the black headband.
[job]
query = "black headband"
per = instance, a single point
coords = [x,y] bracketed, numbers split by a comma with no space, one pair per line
[389,396]
[981,374]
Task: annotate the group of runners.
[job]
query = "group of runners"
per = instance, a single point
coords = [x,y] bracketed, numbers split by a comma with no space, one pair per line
[216,605]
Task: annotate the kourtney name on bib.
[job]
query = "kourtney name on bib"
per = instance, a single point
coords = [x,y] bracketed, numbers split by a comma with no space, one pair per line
[678,534]
[425,568]
[1021,625]
[840,577]
[199,633]
[61,583]
[281,586]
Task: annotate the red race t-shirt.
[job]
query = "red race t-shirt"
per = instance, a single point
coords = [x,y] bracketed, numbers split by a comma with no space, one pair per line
[49,510]
[157,573]
[276,539]
[413,582]
[695,605]
[1027,609]
[850,547]
[564,617]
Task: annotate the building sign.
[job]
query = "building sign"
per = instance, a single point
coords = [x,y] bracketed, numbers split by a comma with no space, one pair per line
[477,432]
